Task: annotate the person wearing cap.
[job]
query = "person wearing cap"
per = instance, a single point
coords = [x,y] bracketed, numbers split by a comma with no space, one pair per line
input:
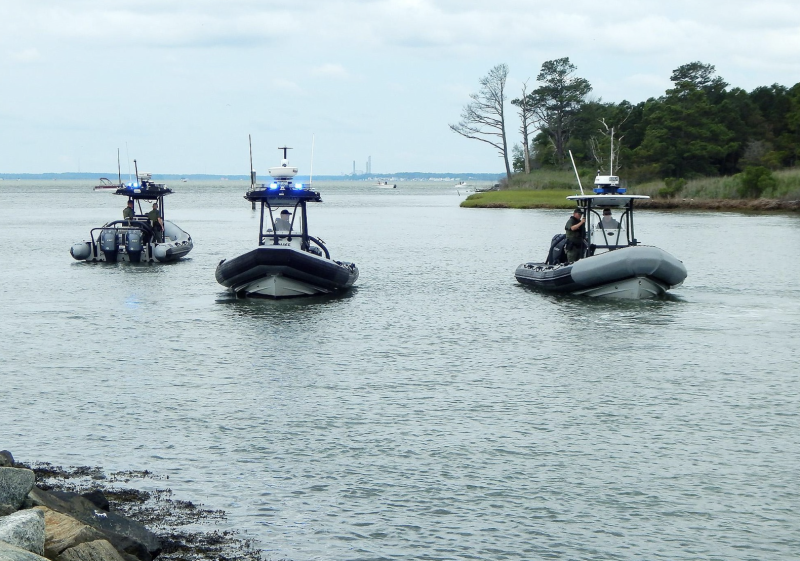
[608,222]
[284,224]
[576,233]
[127,212]
[156,222]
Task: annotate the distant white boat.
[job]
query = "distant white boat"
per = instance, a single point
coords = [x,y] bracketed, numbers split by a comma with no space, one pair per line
[107,185]
[386,185]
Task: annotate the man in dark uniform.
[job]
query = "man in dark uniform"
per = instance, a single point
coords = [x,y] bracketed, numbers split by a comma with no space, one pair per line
[127,212]
[157,222]
[576,233]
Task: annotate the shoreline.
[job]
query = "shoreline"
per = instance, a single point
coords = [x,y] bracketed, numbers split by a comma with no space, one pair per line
[549,200]
[182,528]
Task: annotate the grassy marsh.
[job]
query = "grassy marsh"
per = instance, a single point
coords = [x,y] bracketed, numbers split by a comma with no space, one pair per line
[549,189]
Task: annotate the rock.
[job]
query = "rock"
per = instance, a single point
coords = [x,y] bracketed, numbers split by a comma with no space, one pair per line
[5,510]
[98,498]
[99,550]
[63,532]
[6,459]
[10,552]
[15,484]
[37,497]
[125,535]
[24,529]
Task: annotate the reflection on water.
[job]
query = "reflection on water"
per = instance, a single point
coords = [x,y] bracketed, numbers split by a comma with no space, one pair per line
[301,309]
[438,409]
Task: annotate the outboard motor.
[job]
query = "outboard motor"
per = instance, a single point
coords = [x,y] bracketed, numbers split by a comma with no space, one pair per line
[134,246]
[557,253]
[108,244]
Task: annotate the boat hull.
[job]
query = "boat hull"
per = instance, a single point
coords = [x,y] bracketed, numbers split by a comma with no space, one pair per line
[282,272]
[636,272]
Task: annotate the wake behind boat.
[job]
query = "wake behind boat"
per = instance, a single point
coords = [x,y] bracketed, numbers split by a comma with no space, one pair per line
[288,260]
[609,260]
[136,238]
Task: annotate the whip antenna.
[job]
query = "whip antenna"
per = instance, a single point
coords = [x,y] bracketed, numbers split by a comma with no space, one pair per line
[311,169]
[252,171]
[578,177]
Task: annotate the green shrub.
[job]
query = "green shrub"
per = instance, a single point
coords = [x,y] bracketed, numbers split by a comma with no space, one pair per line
[755,180]
[672,186]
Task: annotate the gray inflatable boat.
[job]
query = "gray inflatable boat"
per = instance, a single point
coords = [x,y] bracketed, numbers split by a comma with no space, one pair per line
[611,263]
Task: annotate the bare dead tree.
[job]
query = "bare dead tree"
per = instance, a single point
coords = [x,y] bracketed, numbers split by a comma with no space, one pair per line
[614,151]
[484,117]
[526,116]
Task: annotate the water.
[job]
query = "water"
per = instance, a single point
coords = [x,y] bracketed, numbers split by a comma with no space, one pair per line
[437,411]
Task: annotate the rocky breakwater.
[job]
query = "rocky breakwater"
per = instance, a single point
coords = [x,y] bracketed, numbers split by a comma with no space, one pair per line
[36,524]
[77,514]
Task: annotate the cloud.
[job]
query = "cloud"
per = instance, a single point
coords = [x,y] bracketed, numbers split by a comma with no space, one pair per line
[331,71]
[25,56]
[287,86]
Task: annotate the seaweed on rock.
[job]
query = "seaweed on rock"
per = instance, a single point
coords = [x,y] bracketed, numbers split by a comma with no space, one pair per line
[158,510]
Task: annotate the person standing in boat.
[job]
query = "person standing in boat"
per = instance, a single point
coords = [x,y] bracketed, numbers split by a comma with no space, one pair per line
[157,222]
[127,212]
[576,233]
[283,223]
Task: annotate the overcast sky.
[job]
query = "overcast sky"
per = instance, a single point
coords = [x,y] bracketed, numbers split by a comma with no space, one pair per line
[182,83]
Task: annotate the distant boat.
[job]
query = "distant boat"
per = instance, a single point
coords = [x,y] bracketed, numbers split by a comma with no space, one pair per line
[386,185]
[184,179]
[107,185]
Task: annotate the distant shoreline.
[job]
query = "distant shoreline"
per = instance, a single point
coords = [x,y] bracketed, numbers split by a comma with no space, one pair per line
[554,199]
[399,176]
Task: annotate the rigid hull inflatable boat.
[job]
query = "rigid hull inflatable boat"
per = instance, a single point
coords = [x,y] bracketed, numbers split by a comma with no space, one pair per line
[134,239]
[611,261]
[288,261]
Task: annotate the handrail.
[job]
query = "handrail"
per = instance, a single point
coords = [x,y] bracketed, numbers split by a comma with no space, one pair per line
[319,243]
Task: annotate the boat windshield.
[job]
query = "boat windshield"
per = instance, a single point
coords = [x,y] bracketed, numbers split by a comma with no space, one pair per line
[608,228]
[284,221]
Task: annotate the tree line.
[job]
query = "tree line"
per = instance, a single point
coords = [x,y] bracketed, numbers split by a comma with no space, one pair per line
[698,127]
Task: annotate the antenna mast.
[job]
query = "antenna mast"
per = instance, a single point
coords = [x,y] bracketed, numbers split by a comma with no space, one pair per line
[311,172]
[252,171]
[611,160]
[119,169]
[578,177]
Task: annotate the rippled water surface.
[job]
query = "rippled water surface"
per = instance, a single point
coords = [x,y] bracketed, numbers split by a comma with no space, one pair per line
[437,411]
